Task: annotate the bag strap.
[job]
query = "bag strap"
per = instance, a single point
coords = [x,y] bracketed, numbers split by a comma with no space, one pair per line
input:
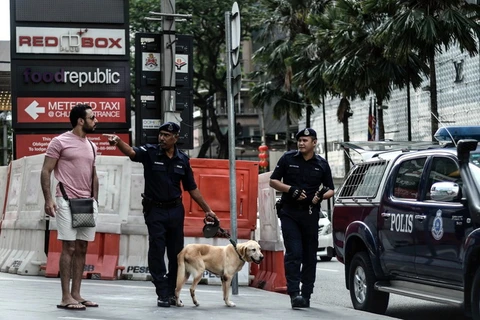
[93,165]
[62,189]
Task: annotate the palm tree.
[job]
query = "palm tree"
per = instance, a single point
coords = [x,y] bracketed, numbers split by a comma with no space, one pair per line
[277,58]
[358,64]
[430,27]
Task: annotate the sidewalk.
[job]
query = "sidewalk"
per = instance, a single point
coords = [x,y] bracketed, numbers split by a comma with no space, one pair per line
[35,298]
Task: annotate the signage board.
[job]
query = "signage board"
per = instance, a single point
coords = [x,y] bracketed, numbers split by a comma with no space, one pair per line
[56,110]
[37,143]
[75,76]
[77,41]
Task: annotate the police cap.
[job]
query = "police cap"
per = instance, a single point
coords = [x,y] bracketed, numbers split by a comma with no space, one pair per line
[307,132]
[171,127]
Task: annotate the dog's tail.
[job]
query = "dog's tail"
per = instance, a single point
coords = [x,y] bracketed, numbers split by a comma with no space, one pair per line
[182,274]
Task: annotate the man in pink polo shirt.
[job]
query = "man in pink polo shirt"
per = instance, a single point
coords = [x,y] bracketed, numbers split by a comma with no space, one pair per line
[71,156]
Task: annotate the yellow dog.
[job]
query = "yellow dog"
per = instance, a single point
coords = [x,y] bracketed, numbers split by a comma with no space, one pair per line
[224,261]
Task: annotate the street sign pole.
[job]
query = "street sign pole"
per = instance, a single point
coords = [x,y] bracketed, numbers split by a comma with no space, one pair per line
[231,142]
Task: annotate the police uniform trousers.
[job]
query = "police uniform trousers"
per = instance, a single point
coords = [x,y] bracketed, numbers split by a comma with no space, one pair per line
[165,232]
[300,237]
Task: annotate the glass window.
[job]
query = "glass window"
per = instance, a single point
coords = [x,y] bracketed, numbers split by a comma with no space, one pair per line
[408,178]
[442,170]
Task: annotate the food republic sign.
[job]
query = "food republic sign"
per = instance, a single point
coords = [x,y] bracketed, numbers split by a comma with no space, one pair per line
[72,78]
[70,41]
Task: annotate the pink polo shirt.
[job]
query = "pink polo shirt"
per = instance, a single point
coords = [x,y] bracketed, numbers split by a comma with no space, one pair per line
[74,165]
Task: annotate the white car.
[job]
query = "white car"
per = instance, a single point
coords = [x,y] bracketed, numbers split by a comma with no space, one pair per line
[325,250]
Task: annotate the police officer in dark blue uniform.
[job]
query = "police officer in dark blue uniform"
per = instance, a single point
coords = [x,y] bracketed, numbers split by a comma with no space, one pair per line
[165,166]
[305,179]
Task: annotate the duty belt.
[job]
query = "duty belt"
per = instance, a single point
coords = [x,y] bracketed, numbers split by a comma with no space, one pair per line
[296,206]
[167,204]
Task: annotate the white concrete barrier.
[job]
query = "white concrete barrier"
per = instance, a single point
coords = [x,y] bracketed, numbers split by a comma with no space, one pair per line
[23,228]
[270,234]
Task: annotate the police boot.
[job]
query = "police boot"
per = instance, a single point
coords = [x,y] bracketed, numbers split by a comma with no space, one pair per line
[297,301]
[307,301]
[163,302]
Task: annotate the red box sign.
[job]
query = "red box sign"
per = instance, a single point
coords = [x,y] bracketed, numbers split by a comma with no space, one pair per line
[32,144]
[57,110]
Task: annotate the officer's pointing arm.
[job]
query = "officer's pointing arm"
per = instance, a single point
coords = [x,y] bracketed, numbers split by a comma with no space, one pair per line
[114,140]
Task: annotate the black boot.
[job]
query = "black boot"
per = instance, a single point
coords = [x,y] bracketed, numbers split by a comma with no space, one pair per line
[297,301]
[163,302]
[307,301]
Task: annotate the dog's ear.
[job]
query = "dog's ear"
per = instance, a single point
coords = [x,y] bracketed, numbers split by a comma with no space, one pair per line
[242,250]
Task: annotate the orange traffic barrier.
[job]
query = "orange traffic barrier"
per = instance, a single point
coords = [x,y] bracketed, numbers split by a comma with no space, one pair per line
[213,181]
[271,273]
[101,261]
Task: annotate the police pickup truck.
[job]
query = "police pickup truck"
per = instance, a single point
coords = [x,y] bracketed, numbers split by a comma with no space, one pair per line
[408,222]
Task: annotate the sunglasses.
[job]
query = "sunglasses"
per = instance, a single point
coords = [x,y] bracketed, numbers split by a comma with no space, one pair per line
[92,117]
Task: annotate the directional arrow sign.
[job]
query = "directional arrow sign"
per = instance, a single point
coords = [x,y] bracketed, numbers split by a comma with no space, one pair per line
[33,110]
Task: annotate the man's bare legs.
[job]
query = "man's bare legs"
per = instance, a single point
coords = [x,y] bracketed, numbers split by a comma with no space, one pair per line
[78,265]
[66,257]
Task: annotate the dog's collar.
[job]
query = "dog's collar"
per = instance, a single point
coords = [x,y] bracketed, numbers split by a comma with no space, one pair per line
[234,244]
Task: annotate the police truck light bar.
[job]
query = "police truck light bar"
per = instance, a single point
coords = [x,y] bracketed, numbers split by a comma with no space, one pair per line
[446,134]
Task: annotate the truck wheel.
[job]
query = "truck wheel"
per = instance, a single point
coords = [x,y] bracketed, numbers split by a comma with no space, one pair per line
[361,282]
[476,296]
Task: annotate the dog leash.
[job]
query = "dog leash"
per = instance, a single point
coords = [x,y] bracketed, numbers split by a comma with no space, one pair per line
[210,227]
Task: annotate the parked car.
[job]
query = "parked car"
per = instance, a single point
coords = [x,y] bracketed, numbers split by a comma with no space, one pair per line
[325,250]
[407,222]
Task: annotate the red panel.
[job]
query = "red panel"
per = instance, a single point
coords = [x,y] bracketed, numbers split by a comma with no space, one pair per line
[101,260]
[55,110]
[213,181]
[32,144]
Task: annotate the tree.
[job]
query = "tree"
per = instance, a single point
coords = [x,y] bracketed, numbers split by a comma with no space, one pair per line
[208,30]
[428,28]
[278,59]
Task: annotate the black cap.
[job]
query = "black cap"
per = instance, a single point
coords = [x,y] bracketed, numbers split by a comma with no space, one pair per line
[171,127]
[307,132]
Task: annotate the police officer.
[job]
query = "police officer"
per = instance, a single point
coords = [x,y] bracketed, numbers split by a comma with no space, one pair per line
[165,166]
[305,179]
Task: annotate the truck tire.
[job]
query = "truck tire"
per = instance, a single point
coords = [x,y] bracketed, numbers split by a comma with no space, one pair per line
[361,283]
[475,296]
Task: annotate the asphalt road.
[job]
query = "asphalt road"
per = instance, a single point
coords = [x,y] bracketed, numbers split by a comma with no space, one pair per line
[330,289]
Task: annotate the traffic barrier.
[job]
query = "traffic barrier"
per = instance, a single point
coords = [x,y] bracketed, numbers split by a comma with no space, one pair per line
[271,272]
[134,234]
[23,227]
[213,181]
[4,178]
[113,204]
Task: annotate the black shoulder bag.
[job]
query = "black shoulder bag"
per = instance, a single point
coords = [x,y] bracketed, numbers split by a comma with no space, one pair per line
[81,209]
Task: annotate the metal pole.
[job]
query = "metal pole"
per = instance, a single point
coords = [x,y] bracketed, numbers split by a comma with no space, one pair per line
[231,142]
[325,141]
[409,113]
[167,62]
[5,142]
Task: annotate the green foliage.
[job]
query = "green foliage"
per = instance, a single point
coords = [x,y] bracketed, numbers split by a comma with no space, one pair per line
[208,30]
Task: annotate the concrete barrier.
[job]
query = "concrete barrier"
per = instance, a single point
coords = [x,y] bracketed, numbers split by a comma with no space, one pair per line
[23,227]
